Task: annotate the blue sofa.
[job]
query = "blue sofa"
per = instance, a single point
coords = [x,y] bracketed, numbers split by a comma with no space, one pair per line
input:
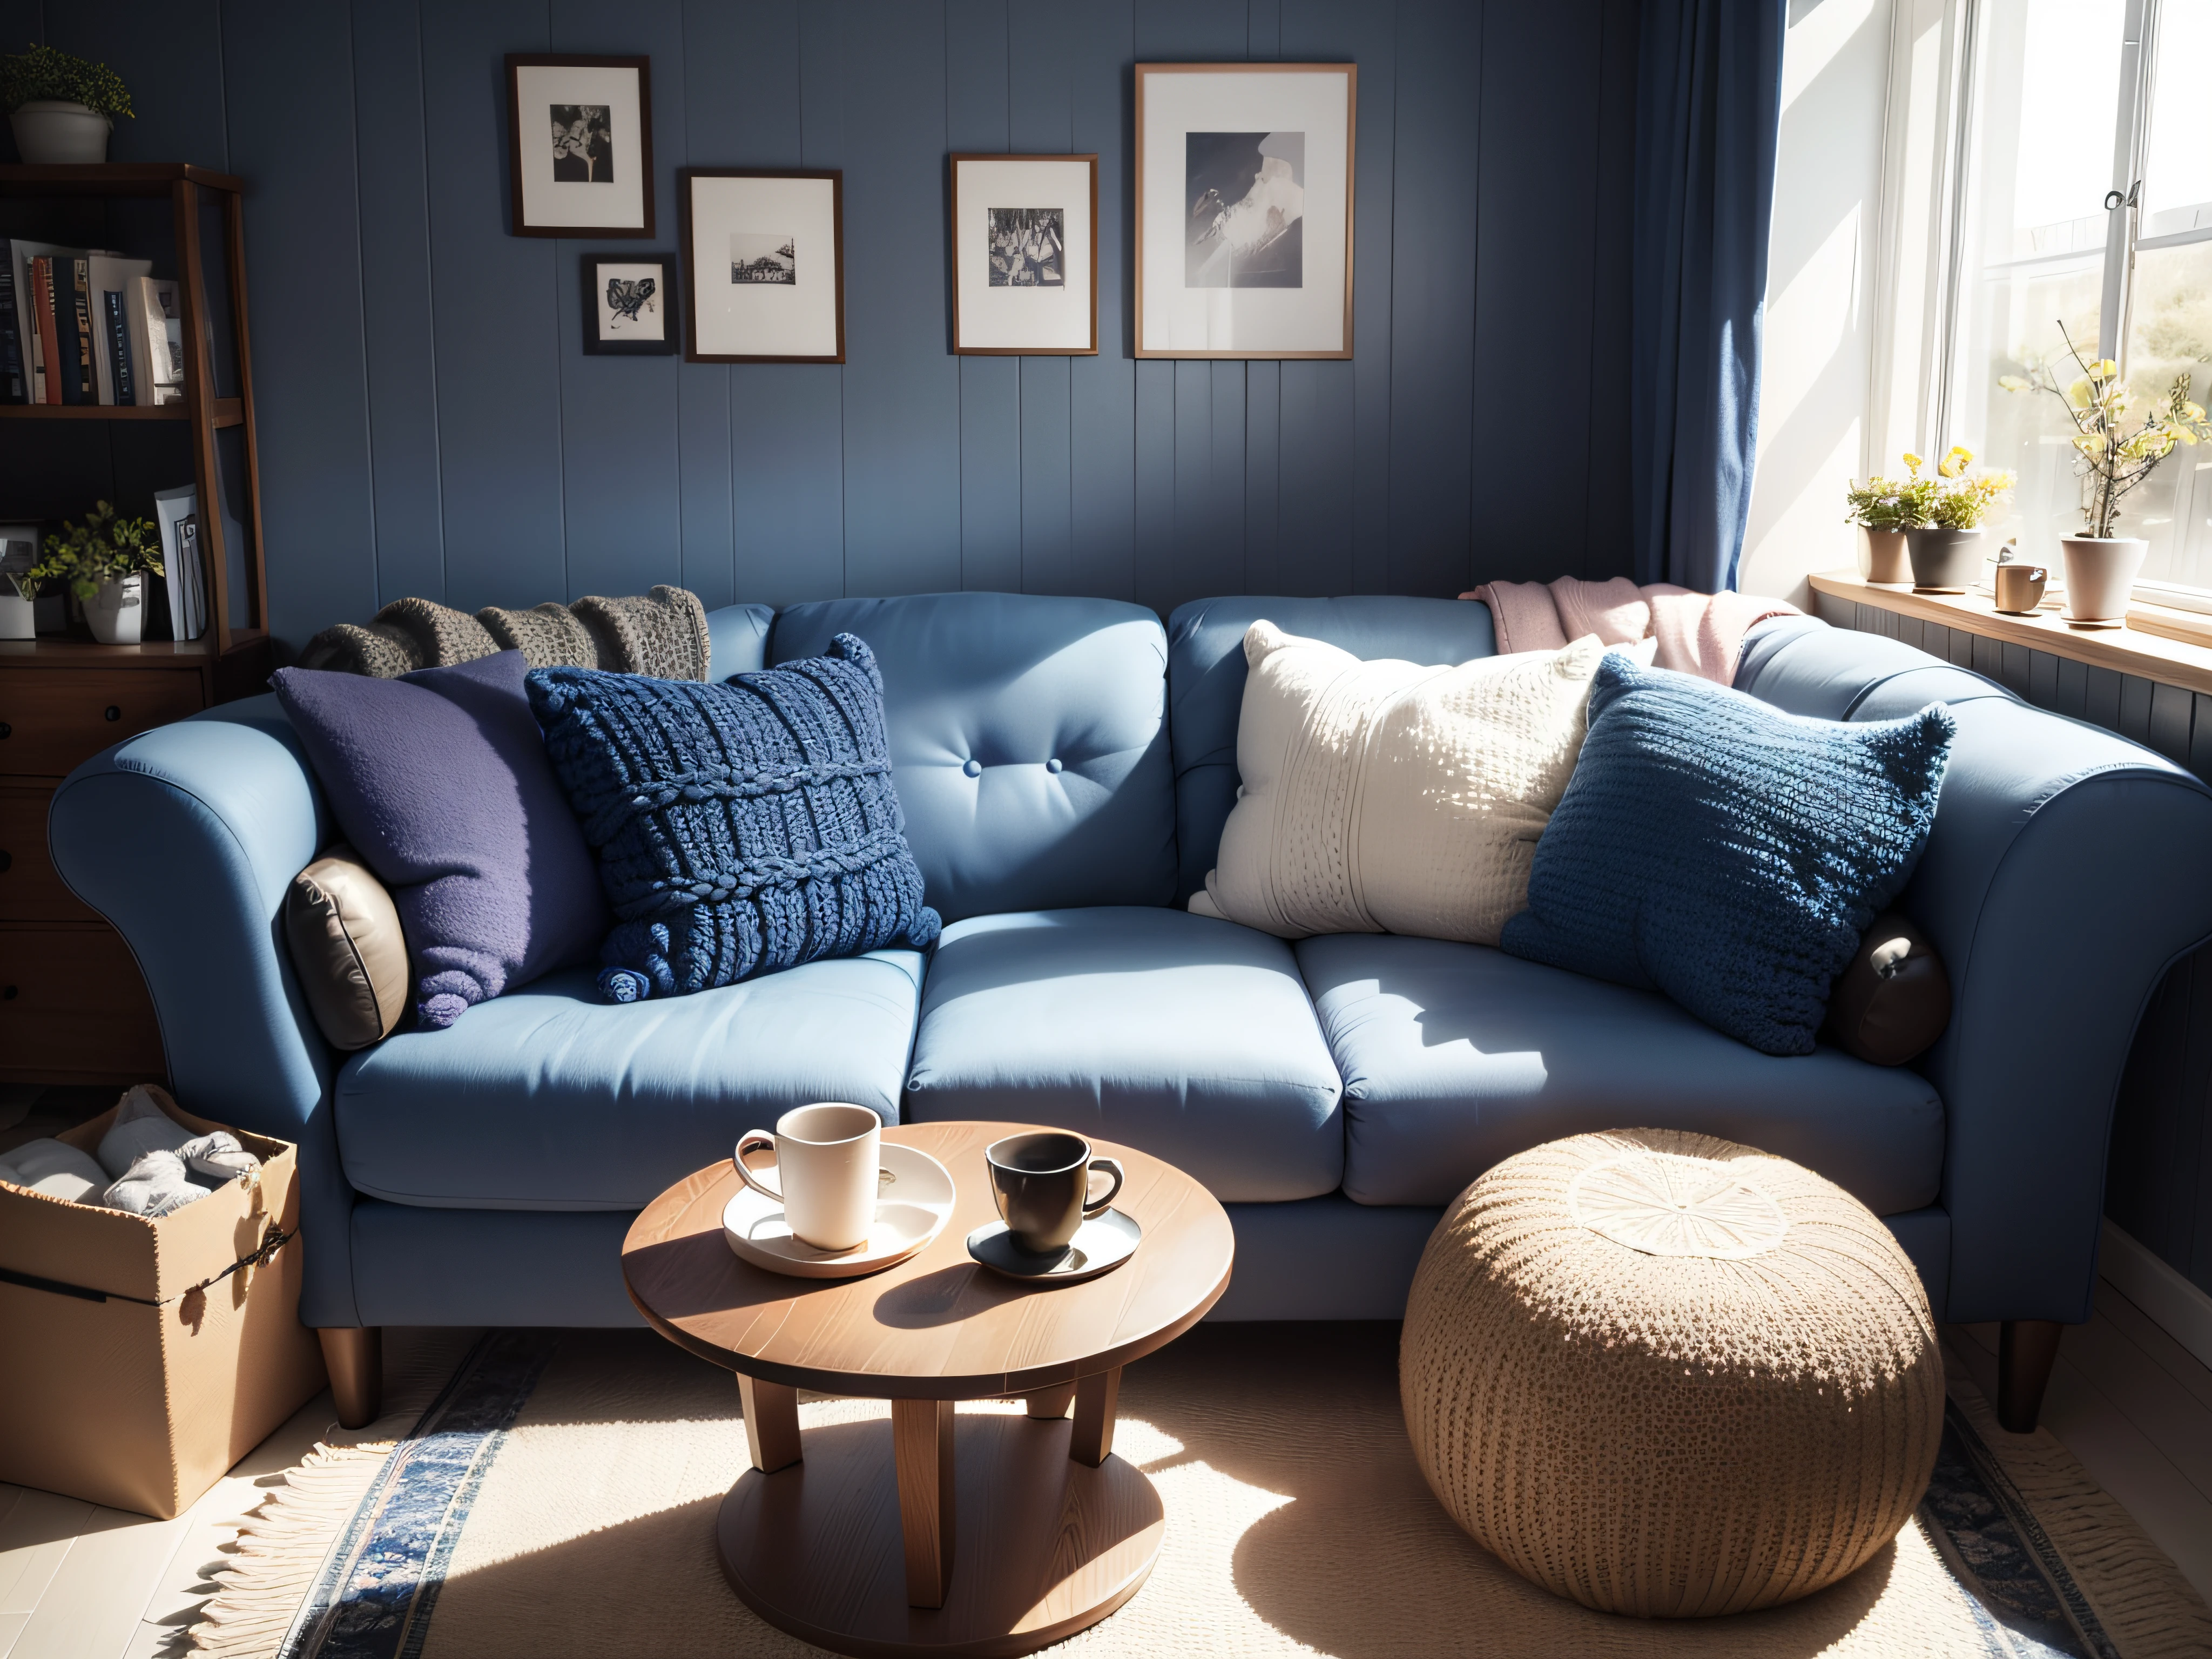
[1065,767]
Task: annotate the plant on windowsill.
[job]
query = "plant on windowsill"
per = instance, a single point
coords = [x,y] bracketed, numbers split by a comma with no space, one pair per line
[62,107]
[1945,546]
[104,563]
[2111,458]
[1884,509]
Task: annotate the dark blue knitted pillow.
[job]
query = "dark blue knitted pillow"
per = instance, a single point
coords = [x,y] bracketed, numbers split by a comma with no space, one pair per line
[740,827]
[1715,848]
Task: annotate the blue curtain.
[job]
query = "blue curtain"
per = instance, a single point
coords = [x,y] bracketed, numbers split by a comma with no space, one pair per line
[1708,111]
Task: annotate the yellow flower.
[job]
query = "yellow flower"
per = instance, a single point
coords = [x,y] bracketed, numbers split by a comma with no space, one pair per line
[2090,443]
[1912,462]
[2104,369]
[1955,462]
[2078,394]
[2194,411]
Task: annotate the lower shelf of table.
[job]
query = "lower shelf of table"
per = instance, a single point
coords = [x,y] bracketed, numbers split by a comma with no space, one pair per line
[1044,1547]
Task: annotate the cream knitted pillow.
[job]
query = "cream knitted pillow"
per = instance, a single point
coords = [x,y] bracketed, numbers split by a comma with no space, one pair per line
[1387,797]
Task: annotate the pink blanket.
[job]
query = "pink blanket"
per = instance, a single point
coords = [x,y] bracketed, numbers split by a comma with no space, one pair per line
[1699,634]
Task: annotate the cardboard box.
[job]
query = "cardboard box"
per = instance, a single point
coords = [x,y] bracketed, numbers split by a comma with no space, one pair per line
[140,1359]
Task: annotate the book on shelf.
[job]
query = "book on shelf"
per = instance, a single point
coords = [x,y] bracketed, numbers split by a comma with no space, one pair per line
[109,276]
[157,340]
[73,323]
[117,335]
[14,359]
[176,512]
[19,312]
[42,316]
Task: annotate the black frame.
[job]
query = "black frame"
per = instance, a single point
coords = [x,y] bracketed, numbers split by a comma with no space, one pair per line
[683,178]
[672,328]
[522,60]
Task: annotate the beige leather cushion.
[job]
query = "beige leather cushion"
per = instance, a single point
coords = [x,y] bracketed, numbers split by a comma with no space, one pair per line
[1895,999]
[347,948]
[1394,796]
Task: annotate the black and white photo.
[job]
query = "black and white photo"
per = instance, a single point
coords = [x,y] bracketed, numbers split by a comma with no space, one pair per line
[580,146]
[764,256]
[1025,255]
[630,304]
[1029,247]
[1247,202]
[1243,222]
[764,262]
[583,143]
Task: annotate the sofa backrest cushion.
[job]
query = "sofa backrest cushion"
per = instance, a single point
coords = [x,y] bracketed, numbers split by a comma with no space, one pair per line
[1804,666]
[1028,740]
[737,637]
[1206,685]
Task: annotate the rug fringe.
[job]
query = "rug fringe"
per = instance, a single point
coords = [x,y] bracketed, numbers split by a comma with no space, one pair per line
[2149,1608]
[282,1541]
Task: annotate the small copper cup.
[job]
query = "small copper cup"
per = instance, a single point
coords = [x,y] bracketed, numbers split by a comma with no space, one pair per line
[2019,587]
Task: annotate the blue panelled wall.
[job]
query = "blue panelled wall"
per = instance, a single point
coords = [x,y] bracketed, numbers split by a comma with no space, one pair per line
[429,424]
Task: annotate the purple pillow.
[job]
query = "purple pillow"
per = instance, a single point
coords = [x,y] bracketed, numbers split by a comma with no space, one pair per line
[440,780]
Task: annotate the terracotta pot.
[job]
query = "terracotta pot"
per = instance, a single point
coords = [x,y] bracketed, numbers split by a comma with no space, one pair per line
[2100,576]
[116,614]
[1945,561]
[53,131]
[1886,558]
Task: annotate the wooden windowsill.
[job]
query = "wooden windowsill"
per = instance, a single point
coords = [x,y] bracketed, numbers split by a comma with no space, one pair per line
[2174,646]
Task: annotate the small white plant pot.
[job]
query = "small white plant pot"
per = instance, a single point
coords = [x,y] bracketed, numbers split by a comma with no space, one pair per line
[18,617]
[116,614]
[55,132]
[2101,577]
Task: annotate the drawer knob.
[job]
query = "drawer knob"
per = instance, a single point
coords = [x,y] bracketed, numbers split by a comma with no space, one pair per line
[115,713]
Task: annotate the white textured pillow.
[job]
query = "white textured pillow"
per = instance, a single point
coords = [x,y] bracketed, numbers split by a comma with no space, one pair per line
[1387,797]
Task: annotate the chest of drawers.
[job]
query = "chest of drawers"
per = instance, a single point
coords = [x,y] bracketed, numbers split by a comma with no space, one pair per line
[73,1007]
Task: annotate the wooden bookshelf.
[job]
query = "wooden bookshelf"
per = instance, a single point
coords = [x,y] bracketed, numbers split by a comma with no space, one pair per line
[73,1007]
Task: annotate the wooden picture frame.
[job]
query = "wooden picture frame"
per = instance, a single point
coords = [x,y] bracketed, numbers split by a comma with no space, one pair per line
[599,112]
[1276,136]
[739,224]
[619,321]
[1002,302]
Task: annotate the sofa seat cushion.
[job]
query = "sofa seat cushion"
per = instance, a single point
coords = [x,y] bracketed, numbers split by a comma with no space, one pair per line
[550,1099]
[1457,1056]
[1184,1036]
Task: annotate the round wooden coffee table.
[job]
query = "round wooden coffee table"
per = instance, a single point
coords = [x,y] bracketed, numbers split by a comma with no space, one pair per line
[1015,1531]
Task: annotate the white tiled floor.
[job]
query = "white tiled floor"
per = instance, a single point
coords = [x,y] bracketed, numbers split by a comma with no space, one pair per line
[78,1582]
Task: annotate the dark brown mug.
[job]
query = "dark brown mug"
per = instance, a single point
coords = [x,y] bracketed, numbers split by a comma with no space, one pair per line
[2019,587]
[1041,1183]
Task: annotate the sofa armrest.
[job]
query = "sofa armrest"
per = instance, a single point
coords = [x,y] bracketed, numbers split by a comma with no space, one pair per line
[187,838]
[2065,872]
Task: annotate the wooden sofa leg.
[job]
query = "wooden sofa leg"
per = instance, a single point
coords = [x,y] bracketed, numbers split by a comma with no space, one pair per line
[2027,1350]
[353,1355]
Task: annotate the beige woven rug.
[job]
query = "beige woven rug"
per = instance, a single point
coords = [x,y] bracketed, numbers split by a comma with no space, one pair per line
[559,1498]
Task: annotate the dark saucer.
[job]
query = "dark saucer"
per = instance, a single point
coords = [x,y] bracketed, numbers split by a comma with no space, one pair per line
[1099,1246]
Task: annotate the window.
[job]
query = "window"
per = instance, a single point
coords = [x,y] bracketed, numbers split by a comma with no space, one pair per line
[2087,213]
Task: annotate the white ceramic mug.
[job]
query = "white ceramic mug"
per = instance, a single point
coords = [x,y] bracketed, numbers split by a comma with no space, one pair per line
[827,1157]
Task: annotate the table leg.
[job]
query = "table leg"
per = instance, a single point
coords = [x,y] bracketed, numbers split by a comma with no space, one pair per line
[921,1449]
[771,1422]
[1095,1400]
[1046,1404]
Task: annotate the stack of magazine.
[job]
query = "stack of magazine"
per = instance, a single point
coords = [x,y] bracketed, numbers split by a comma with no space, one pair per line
[177,511]
[84,326]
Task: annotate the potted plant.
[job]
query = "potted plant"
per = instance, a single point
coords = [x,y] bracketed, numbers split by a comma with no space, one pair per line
[2110,459]
[104,562]
[1944,544]
[1884,508]
[62,107]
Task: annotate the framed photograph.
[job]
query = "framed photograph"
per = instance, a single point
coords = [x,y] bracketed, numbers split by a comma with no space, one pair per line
[763,264]
[1244,195]
[630,305]
[580,144]
[1025,256]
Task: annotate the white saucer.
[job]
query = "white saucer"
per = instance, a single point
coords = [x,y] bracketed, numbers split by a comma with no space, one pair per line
[1100,1245]
[916,1203]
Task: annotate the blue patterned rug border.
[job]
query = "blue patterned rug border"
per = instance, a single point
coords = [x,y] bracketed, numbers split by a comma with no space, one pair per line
[374,1596]
[1990,1538]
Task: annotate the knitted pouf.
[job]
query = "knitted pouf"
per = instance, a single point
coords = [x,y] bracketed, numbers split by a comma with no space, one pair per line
[1670,1375]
